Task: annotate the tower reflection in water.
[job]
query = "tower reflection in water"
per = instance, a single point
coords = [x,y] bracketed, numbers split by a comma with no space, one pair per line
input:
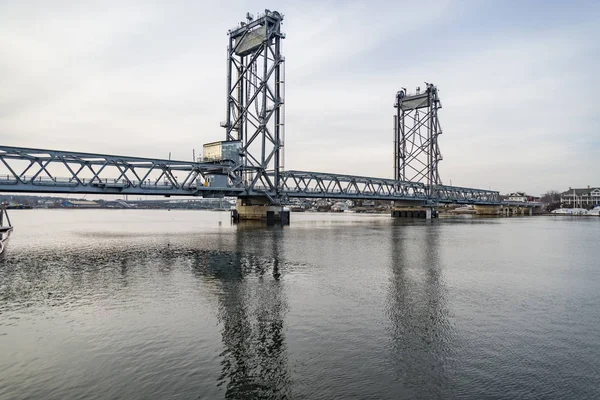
[251,309]
[421,335]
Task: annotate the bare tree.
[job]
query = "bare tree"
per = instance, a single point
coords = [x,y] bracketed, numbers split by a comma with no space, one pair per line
[551,196]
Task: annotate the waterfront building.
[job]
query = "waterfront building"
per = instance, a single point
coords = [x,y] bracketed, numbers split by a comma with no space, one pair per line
[521,197]
[581,197]
[79,204]
[518,196]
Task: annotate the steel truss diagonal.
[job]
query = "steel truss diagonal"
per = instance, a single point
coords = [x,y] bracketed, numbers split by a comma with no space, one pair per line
[53,171]
[255,100]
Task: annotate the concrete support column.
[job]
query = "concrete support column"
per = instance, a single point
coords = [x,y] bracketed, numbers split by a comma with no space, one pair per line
[258,209]
[413,212]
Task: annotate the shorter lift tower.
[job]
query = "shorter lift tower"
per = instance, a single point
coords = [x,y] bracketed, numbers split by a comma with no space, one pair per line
[416,131]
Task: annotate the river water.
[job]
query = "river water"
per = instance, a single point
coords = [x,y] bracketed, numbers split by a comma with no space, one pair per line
[137,304]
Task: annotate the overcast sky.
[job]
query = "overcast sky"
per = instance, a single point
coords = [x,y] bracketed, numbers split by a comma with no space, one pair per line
[518,82]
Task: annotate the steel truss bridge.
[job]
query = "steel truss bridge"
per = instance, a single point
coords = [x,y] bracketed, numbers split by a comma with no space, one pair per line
[255,124]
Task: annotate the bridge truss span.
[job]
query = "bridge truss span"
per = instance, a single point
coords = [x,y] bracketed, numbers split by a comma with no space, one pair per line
[55,171]
[461,195]
[326,185]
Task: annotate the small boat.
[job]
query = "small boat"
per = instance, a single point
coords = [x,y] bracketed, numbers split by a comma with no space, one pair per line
[572,211]
[5,230]
[18,207]
[594,211]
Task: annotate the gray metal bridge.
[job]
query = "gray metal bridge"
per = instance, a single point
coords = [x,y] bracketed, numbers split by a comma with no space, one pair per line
[249,163]
[37,171]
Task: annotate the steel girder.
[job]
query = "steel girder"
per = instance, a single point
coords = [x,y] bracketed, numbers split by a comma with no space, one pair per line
[460,195]
[305,184]
[325,185]
[255,100]
[416,131]
[54,171]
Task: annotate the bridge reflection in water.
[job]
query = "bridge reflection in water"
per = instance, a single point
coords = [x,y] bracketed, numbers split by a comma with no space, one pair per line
[251,310]
[421,336]
[243,289]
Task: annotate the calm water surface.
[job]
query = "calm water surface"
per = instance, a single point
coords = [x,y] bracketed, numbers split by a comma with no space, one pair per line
[111,304]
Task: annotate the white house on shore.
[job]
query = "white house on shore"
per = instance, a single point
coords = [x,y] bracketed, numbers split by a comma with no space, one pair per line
[518,196]
[581,197]
[521,197]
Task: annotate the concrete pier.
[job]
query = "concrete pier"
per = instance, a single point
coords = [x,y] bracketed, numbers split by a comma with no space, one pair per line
[414,212]
[260,209]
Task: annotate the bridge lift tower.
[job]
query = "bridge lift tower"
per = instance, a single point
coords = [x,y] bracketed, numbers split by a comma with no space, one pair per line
[255,106]
[416,130]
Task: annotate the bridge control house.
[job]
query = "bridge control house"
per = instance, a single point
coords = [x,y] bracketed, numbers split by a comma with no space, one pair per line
[216,152]
[581,197]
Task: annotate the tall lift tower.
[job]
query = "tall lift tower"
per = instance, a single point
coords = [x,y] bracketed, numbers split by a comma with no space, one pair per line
[416,131]
[255,102]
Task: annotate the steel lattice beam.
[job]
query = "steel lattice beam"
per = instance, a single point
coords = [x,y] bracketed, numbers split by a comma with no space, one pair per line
[324,185]
[460,195]
[305,184]
[55,171]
